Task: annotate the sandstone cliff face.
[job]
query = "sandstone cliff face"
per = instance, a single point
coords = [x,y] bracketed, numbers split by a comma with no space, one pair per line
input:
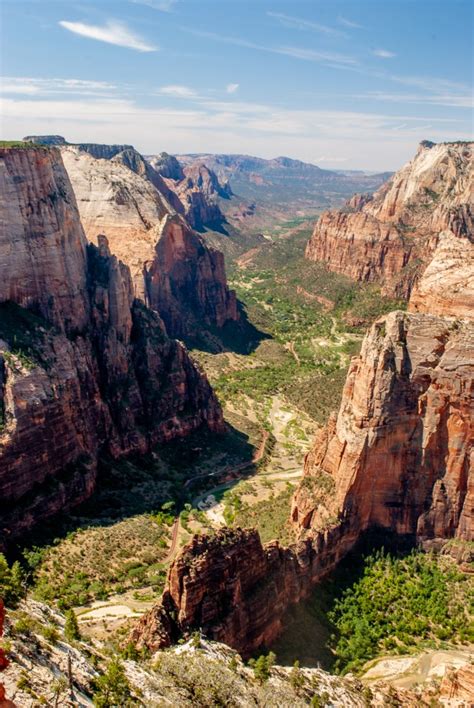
[173,271]
[235,590]
[401,449]
[391,237]
[446,287]
[84,367]
[42,247]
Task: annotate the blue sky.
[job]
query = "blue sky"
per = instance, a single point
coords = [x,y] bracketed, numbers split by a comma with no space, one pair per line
[341,84]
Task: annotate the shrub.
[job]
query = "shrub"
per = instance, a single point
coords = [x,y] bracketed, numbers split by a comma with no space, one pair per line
[262,666]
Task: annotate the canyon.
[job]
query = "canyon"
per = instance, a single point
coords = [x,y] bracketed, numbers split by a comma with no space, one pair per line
[398,453]
[86,368]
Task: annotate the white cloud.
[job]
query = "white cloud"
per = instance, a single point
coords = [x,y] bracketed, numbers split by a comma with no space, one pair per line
[338,60]
[453,100]
[232,88]
[178,91]
[38,87]
[313,55]
[349,23]
[302,24]
[383,53]
[112,33]
[375,141]
[163,5]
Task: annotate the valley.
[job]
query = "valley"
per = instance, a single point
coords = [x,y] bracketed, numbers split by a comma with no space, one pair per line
[246,484]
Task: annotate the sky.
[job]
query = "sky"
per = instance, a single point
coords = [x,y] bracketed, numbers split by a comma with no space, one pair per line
[342,84]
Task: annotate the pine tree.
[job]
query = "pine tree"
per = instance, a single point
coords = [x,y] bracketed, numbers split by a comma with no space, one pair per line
[112,688]
[71,628]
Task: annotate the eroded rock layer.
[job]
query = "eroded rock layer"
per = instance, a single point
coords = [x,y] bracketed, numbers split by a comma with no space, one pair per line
[391,237]
[173,270]
[235,590]
[401,448]
[85,367]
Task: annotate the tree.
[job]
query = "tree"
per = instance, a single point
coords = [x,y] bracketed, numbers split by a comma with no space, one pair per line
[12,582]
[112,689]
[71,628]
[296,677]
[262,665]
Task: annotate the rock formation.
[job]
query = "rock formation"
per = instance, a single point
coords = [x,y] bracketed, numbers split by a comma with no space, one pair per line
[85,368]
[446,287]
[391,237]
[199,191]
[235,590]
[400,451]
[173,270]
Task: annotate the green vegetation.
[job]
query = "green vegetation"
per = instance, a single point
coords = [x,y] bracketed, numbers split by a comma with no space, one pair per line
[269,516]
[262,666]
[92,563]
[19,144]
[71,627]
[12,582]
[112,688]
[399,604]
[24,333]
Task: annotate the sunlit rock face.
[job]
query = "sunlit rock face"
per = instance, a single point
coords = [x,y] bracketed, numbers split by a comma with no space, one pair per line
[400,450]
[391,237]
[85,367]
[173,271]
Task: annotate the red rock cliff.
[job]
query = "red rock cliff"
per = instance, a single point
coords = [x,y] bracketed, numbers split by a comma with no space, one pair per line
[235,590]
[400,451]
[84,367]
[391,237]
[173,270]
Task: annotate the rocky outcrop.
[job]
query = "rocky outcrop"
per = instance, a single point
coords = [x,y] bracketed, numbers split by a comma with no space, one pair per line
[173,271]
[235,590]
[391,238]
[85,368]
[457,686]
[167,166]
[400,451]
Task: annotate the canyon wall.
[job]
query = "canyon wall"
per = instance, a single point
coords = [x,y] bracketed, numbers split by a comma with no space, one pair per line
[174,272]
[390,238]
[85,368]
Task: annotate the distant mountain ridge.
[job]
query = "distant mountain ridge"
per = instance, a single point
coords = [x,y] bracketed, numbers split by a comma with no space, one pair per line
[284,179]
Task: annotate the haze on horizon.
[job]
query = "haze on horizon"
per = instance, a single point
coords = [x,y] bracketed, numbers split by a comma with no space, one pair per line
[345,85]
